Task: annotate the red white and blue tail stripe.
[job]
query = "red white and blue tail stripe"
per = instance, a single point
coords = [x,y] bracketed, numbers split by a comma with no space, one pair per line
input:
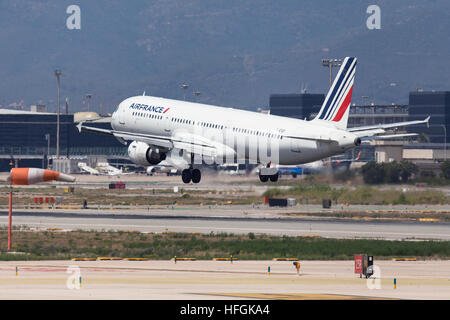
[336,106]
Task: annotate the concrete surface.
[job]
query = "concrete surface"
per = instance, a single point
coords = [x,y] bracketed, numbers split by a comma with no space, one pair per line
[191,220]
[202,280]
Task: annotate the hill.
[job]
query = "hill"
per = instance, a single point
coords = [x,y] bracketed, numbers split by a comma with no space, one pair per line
[236,53]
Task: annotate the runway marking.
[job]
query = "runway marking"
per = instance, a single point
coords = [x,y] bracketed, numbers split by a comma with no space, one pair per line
[39,268]
[297,296]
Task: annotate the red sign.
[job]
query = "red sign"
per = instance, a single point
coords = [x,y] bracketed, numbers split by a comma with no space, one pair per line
[358,264]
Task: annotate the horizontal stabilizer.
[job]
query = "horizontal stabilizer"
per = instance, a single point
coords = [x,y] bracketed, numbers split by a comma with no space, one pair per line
[379,128]
[390,136]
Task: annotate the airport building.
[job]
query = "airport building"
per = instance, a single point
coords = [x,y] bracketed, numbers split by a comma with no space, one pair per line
[300,106]
[431,146]
[28,138]
[435,104]
[368,115]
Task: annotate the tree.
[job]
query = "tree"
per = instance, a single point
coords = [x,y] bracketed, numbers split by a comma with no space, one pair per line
[445,169]
[427,174]
[407,169]
[391,172]
[373,173]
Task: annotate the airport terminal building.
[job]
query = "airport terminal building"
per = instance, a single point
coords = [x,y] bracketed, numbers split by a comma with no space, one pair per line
[299,106]
[28,138]
[435,104]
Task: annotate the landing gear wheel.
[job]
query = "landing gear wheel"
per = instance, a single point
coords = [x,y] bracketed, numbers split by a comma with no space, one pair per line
[196,175]
[263,178]
[274,178]
[186,175]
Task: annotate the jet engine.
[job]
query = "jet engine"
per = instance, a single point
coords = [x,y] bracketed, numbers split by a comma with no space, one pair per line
[142,154]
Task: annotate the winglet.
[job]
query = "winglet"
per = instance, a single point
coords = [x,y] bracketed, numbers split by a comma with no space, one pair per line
[427,121]
[79,126]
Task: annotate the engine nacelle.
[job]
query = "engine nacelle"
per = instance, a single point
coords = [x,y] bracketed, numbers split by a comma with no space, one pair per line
[142,154]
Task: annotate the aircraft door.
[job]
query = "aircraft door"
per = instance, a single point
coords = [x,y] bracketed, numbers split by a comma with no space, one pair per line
[121,114]
[167,124]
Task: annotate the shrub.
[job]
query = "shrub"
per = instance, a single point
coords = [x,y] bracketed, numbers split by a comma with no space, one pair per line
[427,174]
[445,169]
[391,172]
[373,173]
[407,169]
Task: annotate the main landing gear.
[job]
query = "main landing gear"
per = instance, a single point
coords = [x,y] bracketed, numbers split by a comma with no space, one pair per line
[191,174]
[268,173]
[265,178]
[188,175]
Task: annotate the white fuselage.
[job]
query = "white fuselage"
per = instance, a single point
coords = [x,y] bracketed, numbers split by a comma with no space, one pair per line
[291,141]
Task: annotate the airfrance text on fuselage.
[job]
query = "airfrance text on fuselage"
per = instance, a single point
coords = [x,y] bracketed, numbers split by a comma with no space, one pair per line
[144,107]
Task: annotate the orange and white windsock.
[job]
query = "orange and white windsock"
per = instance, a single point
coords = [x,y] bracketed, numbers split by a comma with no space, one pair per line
[25,176]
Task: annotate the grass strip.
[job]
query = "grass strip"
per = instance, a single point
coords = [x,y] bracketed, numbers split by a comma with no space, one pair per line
[48,245]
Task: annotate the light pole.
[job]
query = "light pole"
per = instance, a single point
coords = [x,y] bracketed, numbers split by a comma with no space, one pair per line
[196,94]
[58,75]
[88,96]
[184,86]
[330,63]
[366,98]
[67,128]
[67,105]
[445,141]
[47,137]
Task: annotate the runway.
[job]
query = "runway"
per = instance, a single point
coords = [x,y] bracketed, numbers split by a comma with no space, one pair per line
[207,223]
[220,280]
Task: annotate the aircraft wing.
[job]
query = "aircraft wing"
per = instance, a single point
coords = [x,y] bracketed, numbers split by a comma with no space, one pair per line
[185,141]
[368,131]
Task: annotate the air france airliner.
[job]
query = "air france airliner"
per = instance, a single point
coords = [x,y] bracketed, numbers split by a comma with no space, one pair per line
[186,133]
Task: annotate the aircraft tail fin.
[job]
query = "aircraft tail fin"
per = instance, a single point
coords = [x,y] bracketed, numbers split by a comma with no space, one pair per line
[336,107]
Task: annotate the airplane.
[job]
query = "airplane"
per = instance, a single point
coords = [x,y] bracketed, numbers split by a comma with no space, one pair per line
[107,169]
[103,168]
[188,134]
[84,167]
